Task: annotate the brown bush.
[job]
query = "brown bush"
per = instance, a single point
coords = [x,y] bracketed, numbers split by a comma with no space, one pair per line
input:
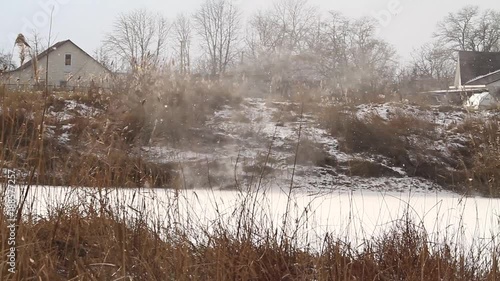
[368,169]
[483,168]
[404,139]
[369,135]
[186,105]
[308,153]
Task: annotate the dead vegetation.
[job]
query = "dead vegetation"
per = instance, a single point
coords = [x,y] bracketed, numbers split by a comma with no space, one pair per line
[482,167]
[97,241]
[184,105]
[88,137]
[468,163]
[368,169]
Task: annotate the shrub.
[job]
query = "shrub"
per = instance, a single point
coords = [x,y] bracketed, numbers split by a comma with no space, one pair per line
[406,141]
[186,105]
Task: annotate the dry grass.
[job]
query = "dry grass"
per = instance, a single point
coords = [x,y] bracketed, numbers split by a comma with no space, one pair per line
[369,135]
[407,141]
[183,105]
[98,242]
[482,167]
[93,135]
[283,116]
[240,117]
[91,148]
[369,169]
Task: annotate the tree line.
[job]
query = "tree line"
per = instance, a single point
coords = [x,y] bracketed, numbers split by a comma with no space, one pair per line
[293,42]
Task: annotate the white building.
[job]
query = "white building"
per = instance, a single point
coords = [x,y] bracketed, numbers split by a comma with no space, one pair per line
[69,66]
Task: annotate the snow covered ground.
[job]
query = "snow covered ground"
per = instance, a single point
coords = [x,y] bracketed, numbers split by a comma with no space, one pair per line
[256,143]
[257,138]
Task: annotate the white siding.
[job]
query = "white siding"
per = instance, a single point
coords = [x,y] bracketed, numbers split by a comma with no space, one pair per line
[494,88]
[82,72]
[495,84]
[458,80]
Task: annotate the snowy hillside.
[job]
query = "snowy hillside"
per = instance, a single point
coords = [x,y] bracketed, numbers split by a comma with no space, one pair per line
[256,143]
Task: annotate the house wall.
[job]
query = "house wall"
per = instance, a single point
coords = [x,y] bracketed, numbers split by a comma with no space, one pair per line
[494,88]
[458,81]
[82,72]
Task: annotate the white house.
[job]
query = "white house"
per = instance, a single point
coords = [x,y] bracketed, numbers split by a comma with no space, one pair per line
[69,66]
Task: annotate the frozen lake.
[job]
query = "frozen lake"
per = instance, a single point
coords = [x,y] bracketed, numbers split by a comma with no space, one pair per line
[354,216]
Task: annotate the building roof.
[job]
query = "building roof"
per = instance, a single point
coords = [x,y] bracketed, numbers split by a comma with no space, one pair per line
[53,48]
[486,79]
[476,68]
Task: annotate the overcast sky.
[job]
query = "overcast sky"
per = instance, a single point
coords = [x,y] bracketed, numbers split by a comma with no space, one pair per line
[86,22]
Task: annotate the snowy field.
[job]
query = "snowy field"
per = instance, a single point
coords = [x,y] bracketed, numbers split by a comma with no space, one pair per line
[354,216]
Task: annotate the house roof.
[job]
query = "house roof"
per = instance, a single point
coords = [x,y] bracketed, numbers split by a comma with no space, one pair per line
[53,48]
[476,67]
[486,79]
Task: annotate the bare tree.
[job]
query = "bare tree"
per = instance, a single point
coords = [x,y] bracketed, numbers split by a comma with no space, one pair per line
[373,59]
[332,50]
[218,24]
[103,57]
[262,37]
[351,59]
[278,42]
[488,31]
[286,27]
[292,43]
[183,36]
[296,20]
[435,64]
[139,38]
[36,44]
[6,63]
[471,29]
[31,50]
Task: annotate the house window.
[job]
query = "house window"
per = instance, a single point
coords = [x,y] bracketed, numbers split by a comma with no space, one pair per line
[67,59]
